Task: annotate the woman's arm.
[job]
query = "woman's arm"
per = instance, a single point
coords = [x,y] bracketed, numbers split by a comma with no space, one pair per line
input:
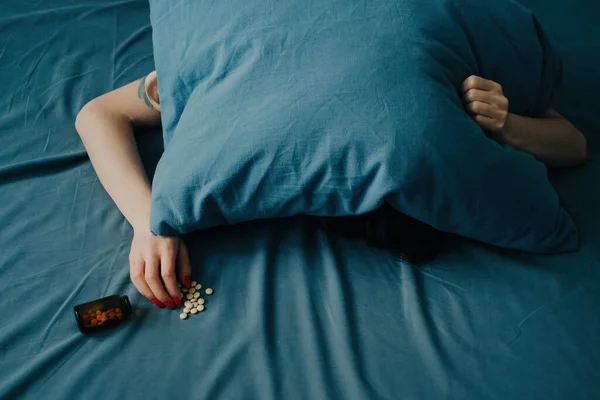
[106,125]
[551,139]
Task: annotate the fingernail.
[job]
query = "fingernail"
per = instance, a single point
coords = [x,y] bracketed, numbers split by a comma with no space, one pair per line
[187,281]
[177,301]
[157,303]
[170,304]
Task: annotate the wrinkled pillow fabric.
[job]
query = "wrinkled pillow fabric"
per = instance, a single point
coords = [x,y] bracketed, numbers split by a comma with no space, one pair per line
[331,107]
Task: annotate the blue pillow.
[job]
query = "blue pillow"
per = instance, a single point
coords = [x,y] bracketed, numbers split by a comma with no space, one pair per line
[331,107]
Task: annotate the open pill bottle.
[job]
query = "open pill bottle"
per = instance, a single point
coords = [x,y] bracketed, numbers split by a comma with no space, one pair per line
[102,313]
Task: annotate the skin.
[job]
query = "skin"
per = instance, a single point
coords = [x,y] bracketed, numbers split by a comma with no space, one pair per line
[106,125]
[551,139]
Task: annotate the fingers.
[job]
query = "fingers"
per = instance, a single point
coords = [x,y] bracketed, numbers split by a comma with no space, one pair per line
[490,124]
[152,276]
[137,275]
[167,271]
[485,102]
[185,267]
[486,110]
[486,97]
[477,82]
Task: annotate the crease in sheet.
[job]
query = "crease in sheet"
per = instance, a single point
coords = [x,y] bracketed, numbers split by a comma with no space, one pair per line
[540,308]
[16,17]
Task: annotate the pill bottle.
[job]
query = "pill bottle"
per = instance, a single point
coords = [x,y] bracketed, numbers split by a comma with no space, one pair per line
[102,313]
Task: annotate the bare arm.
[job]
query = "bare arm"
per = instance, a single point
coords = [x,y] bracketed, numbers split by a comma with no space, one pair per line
[552,139]
[106,126]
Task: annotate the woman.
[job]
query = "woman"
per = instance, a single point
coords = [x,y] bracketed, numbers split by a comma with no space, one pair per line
[106,126]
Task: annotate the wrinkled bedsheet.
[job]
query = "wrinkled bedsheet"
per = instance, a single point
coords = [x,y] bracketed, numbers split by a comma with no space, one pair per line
[297,313]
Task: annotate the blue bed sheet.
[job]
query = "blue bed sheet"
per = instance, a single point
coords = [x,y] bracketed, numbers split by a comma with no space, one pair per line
[297,313]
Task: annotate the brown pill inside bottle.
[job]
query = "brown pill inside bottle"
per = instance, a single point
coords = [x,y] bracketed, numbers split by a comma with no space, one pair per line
[102,313]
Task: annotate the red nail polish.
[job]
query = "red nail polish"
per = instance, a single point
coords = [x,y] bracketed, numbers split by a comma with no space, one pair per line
[170,304]
[187,281]
[157,303]
[177,301]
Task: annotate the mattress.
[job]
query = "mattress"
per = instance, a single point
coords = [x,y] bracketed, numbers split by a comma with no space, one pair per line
[297,313]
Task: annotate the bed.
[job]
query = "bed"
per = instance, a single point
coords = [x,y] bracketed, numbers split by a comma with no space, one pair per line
[297,313]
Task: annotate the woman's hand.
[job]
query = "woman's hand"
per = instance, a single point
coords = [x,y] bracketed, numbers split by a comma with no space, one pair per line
[551,138]
[155,264]
[106,126]
[486,103]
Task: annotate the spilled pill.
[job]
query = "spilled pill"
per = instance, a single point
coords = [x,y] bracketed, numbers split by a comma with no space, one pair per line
[195,303]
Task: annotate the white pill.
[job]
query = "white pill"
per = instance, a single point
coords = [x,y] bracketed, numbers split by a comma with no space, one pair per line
[200,301]
[184,290]
[200,308]
[196,295]
[198,286]
[183,315]
[209,291]
[194,310]
[194,304]
[192,290]
[187,304]
[189,296]
[186,310]
[194,283]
